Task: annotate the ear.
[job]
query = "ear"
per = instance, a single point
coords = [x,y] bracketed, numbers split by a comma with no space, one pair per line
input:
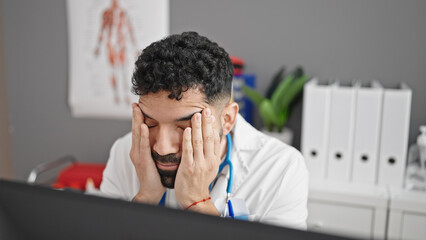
[229,117]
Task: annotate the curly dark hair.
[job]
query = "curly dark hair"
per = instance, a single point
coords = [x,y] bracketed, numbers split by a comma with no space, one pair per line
[181,62]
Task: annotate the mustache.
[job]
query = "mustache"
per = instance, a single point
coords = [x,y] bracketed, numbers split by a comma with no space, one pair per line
[169,158]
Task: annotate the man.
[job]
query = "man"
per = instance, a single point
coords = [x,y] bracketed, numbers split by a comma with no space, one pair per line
[178,141]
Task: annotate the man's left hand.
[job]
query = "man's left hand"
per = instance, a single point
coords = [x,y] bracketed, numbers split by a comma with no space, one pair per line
[199,163]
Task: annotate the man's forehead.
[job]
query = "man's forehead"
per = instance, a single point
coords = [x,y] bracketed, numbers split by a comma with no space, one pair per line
[159,107]
[190,97]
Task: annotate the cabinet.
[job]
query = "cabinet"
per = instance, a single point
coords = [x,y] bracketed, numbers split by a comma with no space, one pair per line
[348,209]
[407,214]
[367,212]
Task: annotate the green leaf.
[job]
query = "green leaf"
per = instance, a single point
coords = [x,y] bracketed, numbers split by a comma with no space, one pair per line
[292,92]
[254,96]
[281,91]
[282,116]
[267,113]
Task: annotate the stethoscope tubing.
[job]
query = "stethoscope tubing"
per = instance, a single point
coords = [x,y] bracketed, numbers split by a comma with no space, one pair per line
[229,163]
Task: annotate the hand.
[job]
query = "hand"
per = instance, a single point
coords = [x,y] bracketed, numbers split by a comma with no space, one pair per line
[151,190]
[200,160]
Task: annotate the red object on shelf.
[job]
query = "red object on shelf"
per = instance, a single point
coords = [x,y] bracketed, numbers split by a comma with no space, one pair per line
[75,176]
[238,64]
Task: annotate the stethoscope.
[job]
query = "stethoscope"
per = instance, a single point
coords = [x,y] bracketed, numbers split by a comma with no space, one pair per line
[228,204]
[227,161]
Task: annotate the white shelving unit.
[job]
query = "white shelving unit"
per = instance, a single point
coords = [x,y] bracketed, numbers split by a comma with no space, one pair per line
[367,212]
[348,210]
[407,214]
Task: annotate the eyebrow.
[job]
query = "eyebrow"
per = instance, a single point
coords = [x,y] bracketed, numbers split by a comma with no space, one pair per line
[182,119]
[186,118]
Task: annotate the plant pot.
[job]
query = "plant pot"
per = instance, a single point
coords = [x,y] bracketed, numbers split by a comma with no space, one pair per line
[285,136]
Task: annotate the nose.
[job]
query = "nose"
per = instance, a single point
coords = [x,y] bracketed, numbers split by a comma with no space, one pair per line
[166,141]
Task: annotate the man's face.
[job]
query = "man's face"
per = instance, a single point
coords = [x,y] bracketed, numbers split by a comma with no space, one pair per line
[167,119]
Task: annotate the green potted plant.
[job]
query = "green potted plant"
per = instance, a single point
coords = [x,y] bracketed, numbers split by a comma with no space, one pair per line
[274,108]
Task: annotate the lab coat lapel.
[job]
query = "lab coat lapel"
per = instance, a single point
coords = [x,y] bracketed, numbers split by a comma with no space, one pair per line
[219,189]
[245,141]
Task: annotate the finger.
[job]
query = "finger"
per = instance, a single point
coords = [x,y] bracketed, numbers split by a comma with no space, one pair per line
[208,137]
[144,146]
[197,138]
[137,120]
[187,151]
[134,126]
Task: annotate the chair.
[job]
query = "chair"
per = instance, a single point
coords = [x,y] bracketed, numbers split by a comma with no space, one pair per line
[75,175]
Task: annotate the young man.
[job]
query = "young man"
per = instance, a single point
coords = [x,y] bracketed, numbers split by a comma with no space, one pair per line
[179,139]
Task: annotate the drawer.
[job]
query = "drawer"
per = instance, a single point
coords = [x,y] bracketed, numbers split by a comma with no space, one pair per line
[340,219]
[413,226]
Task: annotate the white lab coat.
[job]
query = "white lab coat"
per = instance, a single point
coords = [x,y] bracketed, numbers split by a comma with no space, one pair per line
[270,176]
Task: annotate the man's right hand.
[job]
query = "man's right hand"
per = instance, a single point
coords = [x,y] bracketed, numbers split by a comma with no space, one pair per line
[151,190]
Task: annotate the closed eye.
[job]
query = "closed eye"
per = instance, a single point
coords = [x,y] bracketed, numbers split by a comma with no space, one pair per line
[184,124]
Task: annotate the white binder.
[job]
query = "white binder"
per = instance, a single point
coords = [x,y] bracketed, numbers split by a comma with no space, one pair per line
[394,136]
[315,120]
[368,114]
[342,118]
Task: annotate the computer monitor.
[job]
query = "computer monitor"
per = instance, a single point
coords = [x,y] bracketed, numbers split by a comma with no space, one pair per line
[35,212]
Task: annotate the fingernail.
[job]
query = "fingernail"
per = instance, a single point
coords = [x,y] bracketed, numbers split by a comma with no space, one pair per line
[213,118]
[198,117]
[207,111]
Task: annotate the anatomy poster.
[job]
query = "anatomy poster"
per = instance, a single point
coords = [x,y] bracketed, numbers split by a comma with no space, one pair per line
[105,38]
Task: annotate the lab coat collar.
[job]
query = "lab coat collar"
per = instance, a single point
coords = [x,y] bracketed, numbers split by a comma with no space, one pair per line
[245,136]
[246,139]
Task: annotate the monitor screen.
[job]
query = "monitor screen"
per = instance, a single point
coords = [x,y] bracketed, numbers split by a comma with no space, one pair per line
[35,212]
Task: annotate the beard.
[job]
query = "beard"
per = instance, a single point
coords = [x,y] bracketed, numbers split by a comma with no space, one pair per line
[167,177]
